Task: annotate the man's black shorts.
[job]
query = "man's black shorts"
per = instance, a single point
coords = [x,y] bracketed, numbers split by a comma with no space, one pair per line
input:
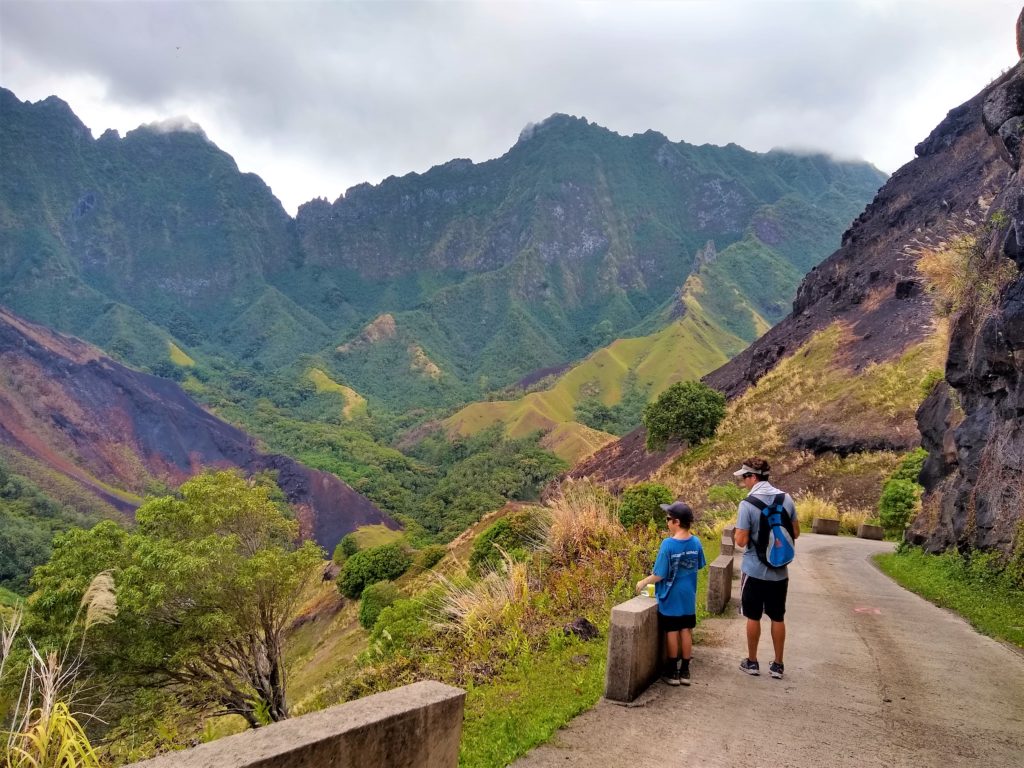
[676,623]
[759,596]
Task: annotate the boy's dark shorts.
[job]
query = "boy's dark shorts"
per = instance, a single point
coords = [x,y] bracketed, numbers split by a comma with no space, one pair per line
[676,623]
[759,597]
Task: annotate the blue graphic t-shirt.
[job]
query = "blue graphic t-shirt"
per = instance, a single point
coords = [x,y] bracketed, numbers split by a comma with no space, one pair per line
[677,563]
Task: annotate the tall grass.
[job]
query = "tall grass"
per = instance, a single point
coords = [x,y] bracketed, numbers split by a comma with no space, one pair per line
[44,732]
[582,518]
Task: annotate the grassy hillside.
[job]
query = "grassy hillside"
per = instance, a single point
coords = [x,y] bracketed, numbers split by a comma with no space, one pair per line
[860,423]
[685,349]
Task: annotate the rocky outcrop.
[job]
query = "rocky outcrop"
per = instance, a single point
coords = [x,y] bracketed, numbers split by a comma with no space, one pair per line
[975,468]
[108,427]
[869,282]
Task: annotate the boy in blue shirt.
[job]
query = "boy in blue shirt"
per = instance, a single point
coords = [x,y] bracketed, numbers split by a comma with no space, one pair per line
[675,576]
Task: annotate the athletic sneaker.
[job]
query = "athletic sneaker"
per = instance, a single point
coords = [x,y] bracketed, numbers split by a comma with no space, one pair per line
[776,669]
[750,667]
[684,677]
[670,675]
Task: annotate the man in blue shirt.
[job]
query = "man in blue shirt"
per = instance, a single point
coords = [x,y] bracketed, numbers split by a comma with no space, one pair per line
[675,574]
[762,588]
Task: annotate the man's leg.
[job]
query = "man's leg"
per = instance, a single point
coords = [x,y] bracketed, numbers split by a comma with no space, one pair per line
[779,639]
[753,638]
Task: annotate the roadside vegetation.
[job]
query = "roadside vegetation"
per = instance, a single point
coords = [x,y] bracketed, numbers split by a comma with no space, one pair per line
[984,588]
[492,618]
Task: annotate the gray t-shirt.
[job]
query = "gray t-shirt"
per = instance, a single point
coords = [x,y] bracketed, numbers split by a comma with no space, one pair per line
[749,519]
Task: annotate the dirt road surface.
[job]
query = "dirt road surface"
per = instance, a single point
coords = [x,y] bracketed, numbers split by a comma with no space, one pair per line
[875,676]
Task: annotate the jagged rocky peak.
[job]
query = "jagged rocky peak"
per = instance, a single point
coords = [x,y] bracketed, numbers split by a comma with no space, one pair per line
[971,423]
[704,256]
[557,120]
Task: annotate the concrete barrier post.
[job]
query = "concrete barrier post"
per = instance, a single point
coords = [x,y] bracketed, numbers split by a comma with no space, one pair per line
[719,583]
[728,545]
[866,531]
[825,526]
[634,649]
[415,726]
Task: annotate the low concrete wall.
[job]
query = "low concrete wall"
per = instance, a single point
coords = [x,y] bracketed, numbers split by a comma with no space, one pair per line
[634,649]
[824,526]
[866,531]
[719,583]
[416,726]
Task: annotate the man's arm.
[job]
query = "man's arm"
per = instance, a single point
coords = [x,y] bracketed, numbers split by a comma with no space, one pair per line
[796,521]
[741,536]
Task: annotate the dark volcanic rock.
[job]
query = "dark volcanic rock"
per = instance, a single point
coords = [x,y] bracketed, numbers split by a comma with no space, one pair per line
[65,404]
[625,461]
[976,470]
[866,282]
[582,628]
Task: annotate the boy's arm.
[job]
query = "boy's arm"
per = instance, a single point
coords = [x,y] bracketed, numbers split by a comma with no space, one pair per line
[652,579]
[660,566]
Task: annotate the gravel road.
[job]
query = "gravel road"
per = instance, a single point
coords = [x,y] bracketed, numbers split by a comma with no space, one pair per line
[875,676]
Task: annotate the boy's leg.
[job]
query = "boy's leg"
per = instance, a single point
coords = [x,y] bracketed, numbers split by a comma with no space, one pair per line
[687,645]
[672,644]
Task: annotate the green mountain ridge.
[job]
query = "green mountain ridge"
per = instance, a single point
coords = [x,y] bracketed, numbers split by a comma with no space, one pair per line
[491,271]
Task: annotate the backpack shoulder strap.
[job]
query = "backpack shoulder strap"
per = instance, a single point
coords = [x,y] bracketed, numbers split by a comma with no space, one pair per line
[756,502]
[779,500]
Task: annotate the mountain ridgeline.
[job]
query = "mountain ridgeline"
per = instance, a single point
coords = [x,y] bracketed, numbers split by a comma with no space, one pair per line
[425,290]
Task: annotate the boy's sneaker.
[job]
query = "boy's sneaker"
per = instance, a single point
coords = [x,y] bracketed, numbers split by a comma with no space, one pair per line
[750,667]
[775,669]
[670,675]
[684,677]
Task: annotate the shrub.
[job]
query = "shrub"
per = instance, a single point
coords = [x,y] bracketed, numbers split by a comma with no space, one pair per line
[372,565]
[639,503]
[347,547]
[400,625]
[688,410]
[514,534]
[726,493]
[376,597]
[431,556]
[910,468]
[897,504]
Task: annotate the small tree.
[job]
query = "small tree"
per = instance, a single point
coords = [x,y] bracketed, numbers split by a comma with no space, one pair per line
[376,598]
[688,410]
[899,498]
[639,503]
[347,547]
[369,566]
[207,583]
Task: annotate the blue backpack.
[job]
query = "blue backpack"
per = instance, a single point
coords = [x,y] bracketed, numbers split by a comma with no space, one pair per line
[774,545]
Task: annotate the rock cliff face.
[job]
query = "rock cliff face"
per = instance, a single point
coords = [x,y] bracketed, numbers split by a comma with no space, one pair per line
[975,469]
[868,282]
[88,418]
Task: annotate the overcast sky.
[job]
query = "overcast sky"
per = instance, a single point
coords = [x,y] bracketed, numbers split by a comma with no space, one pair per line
[318,96]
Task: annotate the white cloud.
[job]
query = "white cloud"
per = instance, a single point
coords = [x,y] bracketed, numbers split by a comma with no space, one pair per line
[319,96]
